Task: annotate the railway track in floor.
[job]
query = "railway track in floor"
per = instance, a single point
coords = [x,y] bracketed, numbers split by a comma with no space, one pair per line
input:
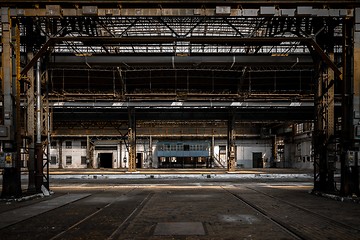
[299,222]
[98,210]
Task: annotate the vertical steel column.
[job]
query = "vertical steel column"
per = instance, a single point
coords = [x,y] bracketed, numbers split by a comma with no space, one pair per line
[354,168]
[151,152]
[39,148]
[212,151]
[11,174]
[16,90]
[231,163]
[46,131]
[274,152]
[347,105]
[132,141]
[30,125]
[88,152]
[323,139]
[61,154]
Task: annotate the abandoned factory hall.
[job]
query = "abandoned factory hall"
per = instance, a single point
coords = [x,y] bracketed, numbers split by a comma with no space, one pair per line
[180,119]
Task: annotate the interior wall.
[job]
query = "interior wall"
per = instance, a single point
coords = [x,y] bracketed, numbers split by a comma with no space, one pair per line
[246,148]
[298,154]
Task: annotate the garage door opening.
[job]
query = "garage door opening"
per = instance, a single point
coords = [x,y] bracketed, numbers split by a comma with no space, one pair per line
[105,160]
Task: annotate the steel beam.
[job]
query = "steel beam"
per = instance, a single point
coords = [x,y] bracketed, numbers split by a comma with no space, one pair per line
[231,161]
[11,176]
[30,125]
[132,141]
[324,134]
[347,129]
[325,58]
[353,166]
[254,9]
[234,41]
[180,61]
[39,146]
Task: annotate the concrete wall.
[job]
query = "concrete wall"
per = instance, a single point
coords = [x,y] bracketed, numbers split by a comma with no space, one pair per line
[298,153]
[120,156]
[75,152]
[246,148]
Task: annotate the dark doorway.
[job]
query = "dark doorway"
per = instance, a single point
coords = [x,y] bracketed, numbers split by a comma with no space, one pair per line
[105,160]
[257,160]
[139,160]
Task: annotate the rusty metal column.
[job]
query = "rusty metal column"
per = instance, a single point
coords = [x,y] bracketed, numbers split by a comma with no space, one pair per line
[61,154]
[324,134]
[274,152]
[39,145]
[30,124]
[132,141]
[231,163]
[354,166]
[323,138]
[347,132]
[212,151]
[11,175]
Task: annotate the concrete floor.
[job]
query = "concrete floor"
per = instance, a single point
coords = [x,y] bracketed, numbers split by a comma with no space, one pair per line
[180,208]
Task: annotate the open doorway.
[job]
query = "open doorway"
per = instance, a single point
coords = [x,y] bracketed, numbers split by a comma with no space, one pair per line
[139,160]
[105,160]
[257,160]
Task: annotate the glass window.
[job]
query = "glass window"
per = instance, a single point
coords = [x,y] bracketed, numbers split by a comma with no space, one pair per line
[68,144]
[68,160]
[83,160]
[53,145]
[53,160]
[179,147]
[83,144]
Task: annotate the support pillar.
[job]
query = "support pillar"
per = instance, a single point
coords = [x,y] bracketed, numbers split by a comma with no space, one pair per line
[11,175]
[132,141]
[273,152]
[324,139]
[212,151]
[353,157]
[151,152]
[39,146]
[30,125]
[87,151]
[61,154]
[231,163]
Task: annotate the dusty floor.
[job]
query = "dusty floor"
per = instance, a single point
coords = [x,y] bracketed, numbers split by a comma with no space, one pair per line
[180,209]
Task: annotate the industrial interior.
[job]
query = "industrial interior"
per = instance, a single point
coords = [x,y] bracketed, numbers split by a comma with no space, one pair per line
[180,84]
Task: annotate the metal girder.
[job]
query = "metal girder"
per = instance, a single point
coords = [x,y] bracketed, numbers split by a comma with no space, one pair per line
[178,61]
[235,40]
[182,114]
[182,105]
[262,41]
[231,158]
[30,125]
[11,185]
[324,139]
[148,9]
[326,58]
[38,54]
[132,140]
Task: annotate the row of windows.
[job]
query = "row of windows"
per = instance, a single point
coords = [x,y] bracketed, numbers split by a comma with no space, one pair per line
[183,147]
[53,160]
[68,144]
